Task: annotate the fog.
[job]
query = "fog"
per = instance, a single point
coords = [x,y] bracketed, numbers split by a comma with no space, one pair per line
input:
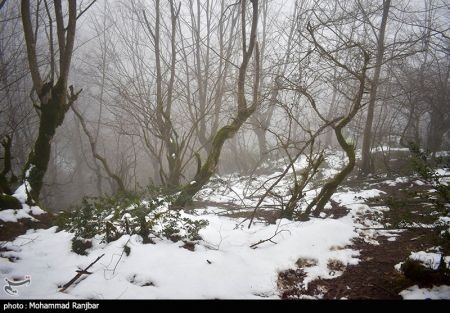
[161,79]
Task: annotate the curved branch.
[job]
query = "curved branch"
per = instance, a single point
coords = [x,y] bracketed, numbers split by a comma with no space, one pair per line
[30,42]
[94,150]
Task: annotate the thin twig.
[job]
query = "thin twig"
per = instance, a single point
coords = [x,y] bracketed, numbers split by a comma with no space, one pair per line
[253,246]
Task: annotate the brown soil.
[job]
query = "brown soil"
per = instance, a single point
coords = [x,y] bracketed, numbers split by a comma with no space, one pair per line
[10,230]
[336,211]
[375,276]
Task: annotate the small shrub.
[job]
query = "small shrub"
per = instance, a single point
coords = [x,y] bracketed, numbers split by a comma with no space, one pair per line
[128,214]
[80,245]
[306,262]
[417,272]
[424,164]
[9,202]
[445,234]
[335,265]
[127,250]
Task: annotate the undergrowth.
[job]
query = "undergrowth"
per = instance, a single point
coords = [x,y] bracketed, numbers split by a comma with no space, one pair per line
[109,218]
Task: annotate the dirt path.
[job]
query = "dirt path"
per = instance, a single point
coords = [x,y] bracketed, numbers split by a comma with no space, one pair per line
[375,276]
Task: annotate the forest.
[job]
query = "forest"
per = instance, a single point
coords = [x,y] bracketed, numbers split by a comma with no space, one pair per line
[225,149]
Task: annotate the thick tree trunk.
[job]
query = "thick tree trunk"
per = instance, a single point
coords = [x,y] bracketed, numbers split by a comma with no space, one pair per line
[54,102]
[210,166]
[174,160]
[262,143]
[438,127]
[5,183]
[52,116]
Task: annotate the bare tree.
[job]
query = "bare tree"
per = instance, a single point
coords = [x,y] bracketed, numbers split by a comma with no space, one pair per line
[366,165]
[97,156]
[17,117]
[206,83]
[54,99]
[353,80]
[244,110]
[262,118]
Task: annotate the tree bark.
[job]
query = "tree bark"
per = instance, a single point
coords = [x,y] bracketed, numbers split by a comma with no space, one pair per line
[330,187]
[167,133]
[53,98]
[439,125]
[243,113]
[5,183]
[366,165]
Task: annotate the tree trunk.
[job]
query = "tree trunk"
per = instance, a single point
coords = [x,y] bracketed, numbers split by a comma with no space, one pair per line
[438,127]
[54,102]
[97,156]
[330,187]
[366,165]
[262,142]
[297,192]
[243,113]
[164,98]
[210,166]
[52,116]
[5,183]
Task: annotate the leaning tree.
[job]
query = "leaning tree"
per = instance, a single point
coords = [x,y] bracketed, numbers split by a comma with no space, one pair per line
[244,109]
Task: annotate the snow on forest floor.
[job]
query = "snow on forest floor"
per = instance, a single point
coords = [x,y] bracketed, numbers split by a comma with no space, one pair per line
[224,266]
[436,293]
[230,262]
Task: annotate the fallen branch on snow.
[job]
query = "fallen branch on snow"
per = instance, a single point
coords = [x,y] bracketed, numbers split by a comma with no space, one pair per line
[80,272]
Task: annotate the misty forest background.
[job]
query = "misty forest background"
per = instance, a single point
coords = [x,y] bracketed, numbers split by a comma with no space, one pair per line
[103,97]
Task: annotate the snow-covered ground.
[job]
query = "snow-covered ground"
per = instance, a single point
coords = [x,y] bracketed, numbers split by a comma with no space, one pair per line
[231,261]
[222,265]
[436,293]
[15,215]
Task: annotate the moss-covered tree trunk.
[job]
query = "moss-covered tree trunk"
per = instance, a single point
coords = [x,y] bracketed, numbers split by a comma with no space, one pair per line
[297,192]
[330,187]
[53,99]
[210,166]
[52,115]
[6,200]
[5,183]
[243,113]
